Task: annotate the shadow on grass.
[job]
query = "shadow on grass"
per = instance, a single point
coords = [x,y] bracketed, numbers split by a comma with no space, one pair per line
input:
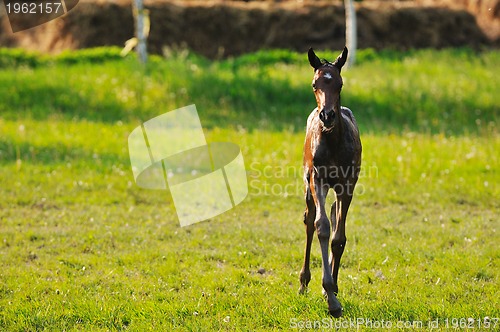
[251,102]
[265,91]
[40,100]
[269,104]
[57,154]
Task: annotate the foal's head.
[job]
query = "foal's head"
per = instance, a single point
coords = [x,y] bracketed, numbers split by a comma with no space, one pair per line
[327,85]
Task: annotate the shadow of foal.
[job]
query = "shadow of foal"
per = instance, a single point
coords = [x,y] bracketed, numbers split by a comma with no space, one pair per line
[332,160]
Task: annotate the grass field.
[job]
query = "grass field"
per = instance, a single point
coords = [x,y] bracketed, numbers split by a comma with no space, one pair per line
[83,248]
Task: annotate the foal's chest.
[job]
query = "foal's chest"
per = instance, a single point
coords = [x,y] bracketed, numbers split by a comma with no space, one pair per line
[333,161]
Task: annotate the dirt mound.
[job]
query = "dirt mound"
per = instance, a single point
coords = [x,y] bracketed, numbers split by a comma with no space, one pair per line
[487,13]
[215,29]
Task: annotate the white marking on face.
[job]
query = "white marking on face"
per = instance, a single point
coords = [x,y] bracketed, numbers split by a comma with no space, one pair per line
[328,76]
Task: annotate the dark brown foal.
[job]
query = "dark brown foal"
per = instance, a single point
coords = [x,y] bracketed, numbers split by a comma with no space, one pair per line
[332,160]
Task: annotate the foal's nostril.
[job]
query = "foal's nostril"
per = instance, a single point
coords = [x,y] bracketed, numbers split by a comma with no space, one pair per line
[327,117]
[322,116]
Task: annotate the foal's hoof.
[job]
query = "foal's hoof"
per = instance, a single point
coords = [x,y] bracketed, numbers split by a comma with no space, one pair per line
[336,312]
[302,290]
[334,307]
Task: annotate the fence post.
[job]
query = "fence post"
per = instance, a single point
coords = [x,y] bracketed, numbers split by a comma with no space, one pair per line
[141,28]
[350,31]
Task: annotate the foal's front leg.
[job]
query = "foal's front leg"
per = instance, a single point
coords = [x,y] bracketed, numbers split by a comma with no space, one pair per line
[322,225]
[338,216]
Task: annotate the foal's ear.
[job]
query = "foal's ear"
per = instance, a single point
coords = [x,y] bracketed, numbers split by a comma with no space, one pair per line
[313,59]
[341,59]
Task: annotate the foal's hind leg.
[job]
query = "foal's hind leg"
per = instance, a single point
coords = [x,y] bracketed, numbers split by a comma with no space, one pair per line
[333,220]
[309,215]
[338,217]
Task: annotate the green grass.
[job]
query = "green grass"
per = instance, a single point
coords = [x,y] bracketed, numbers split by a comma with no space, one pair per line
[83,248]
[450,92]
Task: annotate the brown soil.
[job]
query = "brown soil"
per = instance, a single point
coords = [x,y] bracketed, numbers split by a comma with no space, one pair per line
[224,28]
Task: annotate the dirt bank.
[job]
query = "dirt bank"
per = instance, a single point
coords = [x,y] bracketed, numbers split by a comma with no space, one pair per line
[215,28]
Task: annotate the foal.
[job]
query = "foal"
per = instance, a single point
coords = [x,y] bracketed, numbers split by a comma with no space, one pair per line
[332,160]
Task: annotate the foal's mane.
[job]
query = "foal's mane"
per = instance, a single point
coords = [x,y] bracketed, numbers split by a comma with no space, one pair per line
[325,62]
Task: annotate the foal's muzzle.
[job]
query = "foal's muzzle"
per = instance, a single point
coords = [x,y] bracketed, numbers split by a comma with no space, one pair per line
[327,117]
